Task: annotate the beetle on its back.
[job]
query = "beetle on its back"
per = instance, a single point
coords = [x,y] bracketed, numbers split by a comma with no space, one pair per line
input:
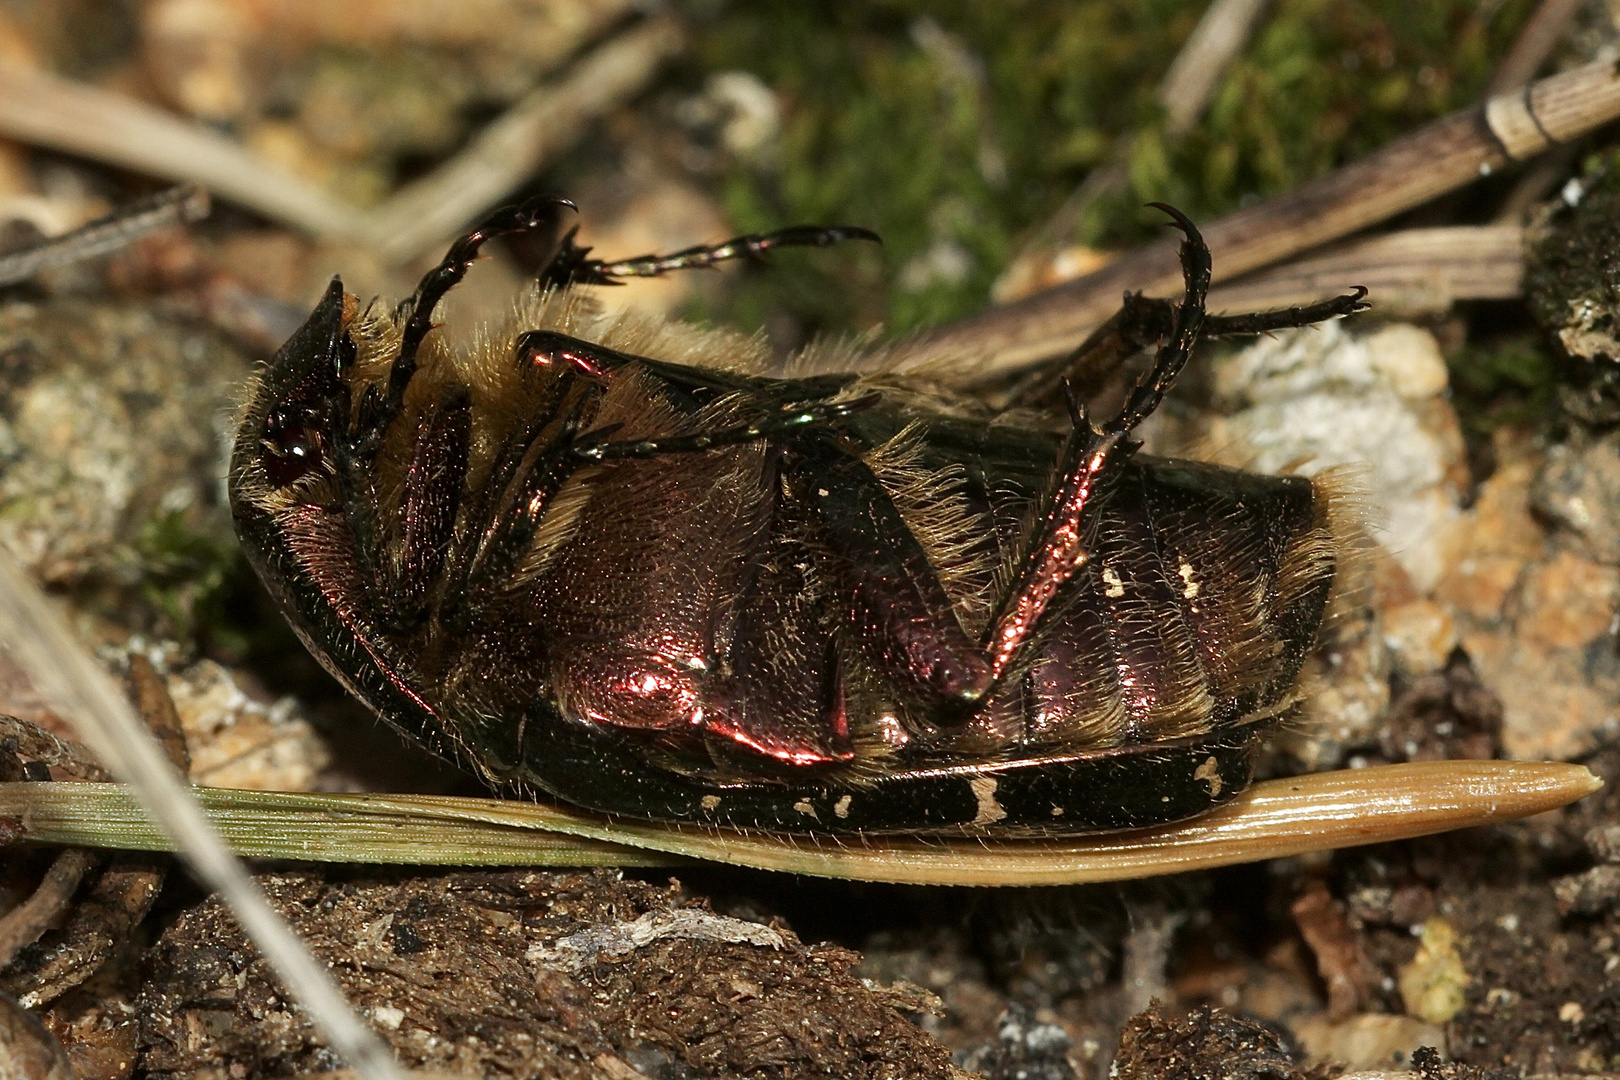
[615,562]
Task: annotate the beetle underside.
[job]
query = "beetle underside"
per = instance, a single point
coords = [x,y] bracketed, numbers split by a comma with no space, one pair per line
[616,561]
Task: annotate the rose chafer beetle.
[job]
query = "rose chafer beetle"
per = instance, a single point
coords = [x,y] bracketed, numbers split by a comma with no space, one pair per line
[618,562]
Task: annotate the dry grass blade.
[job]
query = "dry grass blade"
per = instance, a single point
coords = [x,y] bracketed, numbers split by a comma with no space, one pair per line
[1436,159]
[1185,92]
[39,639]
[512,148]
[1273,819]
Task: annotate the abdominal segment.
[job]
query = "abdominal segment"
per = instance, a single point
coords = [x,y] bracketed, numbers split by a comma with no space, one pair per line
[718,634]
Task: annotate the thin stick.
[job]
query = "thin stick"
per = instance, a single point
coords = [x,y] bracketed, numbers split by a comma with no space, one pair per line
[62,671]
[1272,819]
[1438,158]
[1535,42]
[1208,53]
[176,206]
[1185,92]
[547,121]
[48,111]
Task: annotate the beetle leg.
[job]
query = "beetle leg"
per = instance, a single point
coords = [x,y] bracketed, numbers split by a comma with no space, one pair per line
[897,605]
[538,213]
[526,480]
[1058,546]
[1267,322]
[1177,346]
[1139,323]
[570,266]
[428,503]
[778,689]
[781,424]
[550,349]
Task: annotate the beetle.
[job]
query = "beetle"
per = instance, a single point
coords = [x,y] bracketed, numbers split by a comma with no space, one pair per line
[620,563]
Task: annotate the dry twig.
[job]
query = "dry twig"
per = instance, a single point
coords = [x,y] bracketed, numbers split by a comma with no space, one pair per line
[1410,272]
[511,149]
[176,206]
[27,922]
[1535,42]
[48,111]
[1438,158]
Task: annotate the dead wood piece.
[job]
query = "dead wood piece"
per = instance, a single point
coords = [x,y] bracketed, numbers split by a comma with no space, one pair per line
[152,701]
[28,1051]
[1348,976]
[95,929]
[1431,161]
[27,922]
[34,743]
[1407,273]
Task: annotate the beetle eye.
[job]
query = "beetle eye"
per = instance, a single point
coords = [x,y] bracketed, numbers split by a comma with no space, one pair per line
[292,449]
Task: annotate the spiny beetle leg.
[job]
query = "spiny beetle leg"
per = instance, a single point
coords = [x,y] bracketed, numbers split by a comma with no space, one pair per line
[1266,322]
[526,479]
[1058,546]
[541,212]
[570,266]
[766,427]
[429,500]
[1189,322]
[896,602]
[550,349]
[1143,320]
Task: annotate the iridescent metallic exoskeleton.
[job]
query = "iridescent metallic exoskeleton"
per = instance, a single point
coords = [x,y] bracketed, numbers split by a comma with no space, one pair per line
[617,562]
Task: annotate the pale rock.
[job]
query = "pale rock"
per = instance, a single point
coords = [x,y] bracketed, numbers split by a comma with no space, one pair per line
[1579,489]
[1434,984]
[1321,398]
[238,741]
[1346,693]
[1536,611]
[1367,1040]
[1420,636]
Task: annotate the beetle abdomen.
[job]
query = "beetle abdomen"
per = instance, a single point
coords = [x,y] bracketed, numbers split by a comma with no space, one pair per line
[1199,602]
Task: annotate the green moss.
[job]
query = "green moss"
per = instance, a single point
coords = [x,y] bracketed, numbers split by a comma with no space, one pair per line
[878,132]
[1572,285]
[1508,380]
[186,578]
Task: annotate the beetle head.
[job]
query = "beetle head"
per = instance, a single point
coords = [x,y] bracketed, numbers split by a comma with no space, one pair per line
[300,407]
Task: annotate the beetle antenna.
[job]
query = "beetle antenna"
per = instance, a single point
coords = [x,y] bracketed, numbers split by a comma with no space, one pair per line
[1178,346]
